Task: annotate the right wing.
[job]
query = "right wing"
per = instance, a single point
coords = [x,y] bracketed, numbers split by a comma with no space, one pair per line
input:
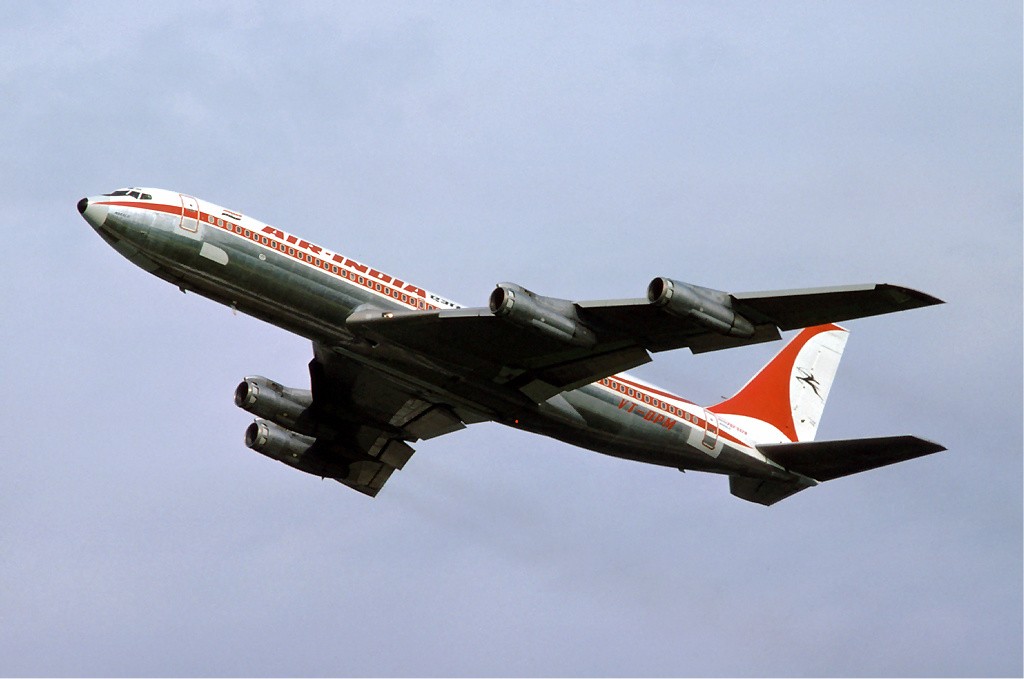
[560,345]
[792,309]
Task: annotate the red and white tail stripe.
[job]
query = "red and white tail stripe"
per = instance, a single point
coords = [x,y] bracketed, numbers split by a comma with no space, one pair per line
[784,401]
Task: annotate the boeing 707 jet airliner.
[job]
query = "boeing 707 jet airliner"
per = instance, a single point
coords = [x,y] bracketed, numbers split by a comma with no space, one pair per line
[394,363]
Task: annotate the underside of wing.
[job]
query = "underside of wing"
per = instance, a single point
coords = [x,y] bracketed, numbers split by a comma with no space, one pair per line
[540,346]
[367,420]
[484,348]
[791,309]
[677,315]
[353,425]
[656,329]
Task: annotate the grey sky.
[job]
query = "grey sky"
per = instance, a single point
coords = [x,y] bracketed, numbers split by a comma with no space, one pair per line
[579,150]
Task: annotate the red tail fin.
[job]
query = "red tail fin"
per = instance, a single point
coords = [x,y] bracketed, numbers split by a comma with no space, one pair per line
[784,401]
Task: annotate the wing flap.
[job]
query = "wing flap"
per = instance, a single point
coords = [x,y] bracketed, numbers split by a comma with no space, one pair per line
[827,460]
[367,421]
[367,477]
[435,421]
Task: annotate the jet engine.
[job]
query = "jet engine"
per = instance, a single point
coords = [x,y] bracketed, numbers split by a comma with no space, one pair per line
[549,316]
[711,308]
[282,405]
[292,448]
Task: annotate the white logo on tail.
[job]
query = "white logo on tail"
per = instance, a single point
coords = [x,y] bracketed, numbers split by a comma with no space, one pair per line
[811,379]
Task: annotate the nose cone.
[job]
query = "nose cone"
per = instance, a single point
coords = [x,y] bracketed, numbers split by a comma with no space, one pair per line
[93,212]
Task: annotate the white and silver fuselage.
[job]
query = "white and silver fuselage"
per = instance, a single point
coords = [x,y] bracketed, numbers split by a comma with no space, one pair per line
[307,289]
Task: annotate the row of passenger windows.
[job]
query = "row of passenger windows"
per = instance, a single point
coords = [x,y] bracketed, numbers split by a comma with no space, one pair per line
[646,398]
[323,264]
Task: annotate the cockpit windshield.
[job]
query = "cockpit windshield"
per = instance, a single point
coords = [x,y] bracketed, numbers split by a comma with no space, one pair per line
[134,193]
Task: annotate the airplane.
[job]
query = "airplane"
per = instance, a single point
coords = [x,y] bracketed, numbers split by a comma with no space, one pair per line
[394,363]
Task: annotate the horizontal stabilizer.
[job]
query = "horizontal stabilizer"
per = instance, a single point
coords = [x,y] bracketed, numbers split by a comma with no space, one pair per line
[825,460]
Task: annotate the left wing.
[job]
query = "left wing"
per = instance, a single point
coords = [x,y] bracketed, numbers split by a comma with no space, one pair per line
[367,421]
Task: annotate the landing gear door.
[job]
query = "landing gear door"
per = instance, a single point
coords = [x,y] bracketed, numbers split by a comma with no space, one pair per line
[189,213]
[710,430]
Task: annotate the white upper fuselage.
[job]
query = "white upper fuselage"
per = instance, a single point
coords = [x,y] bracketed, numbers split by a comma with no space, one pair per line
[190,216]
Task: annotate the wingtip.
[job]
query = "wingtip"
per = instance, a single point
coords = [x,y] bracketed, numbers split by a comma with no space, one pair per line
[927,446]
[910,298]
[936,447]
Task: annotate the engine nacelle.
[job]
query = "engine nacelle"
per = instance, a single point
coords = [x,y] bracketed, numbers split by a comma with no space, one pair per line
[279,404]
[711,308]
[290,447]
[549,316]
